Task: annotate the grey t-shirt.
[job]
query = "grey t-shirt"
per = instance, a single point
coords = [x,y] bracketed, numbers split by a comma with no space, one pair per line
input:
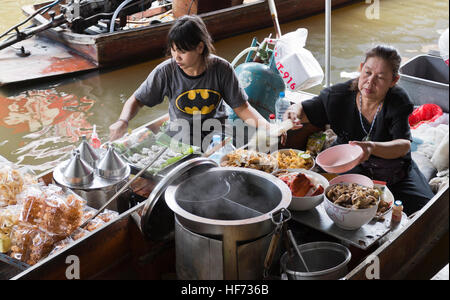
[187,94]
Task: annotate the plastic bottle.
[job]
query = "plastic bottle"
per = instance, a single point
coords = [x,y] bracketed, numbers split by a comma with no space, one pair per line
[281,105]
[95,141]
[397,210]
[272,119]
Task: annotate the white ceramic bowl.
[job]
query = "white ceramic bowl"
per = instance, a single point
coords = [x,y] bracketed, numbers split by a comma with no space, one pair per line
[353,178]
[348,218]
[274,154]
[306,203]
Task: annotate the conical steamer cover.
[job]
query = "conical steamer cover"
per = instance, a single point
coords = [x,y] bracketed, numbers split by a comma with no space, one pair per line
[111,165]
[87,153]
[77,172]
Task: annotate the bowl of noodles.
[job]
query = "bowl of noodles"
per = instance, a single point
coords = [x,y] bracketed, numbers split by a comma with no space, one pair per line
[293,159]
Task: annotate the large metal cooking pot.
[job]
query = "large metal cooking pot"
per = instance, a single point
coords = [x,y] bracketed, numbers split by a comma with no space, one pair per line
[231,205]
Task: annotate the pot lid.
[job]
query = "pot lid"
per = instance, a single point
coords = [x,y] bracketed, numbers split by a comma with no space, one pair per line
[111,165]
[77,172]
[87,153]
[157,221]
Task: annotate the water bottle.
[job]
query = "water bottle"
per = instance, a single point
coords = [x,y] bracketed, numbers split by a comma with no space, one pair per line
[281,105]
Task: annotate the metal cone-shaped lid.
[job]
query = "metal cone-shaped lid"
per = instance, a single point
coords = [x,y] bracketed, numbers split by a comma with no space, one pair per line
[87,153]
[111,165]
[77,172]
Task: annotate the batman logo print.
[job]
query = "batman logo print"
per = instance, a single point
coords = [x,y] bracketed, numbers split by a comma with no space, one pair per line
[198,101]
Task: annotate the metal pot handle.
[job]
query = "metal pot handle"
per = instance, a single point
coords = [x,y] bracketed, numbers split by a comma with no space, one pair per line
[285,216]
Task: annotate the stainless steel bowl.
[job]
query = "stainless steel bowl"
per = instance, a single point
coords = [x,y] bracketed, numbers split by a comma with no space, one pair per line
[325,260]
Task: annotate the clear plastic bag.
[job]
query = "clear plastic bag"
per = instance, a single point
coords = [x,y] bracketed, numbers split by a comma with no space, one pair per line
[79,233]
[297,66]
[95,224]
[61,245]
[108,215]
[30,244]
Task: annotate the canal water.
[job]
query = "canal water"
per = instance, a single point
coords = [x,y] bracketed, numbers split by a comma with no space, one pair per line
[41,123]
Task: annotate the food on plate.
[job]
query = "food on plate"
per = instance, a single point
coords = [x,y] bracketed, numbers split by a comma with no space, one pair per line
[301,185]
[250,159]
[292,160]
[353,196]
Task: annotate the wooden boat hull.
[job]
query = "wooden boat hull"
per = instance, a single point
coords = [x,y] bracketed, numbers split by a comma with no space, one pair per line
[120,251]
[150,42]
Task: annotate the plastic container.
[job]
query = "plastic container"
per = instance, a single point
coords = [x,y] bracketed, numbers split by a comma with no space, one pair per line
[217,155]
[397,210]
[426,79]
[281,105]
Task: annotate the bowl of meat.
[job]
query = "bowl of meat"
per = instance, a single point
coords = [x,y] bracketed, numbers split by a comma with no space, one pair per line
[351,205]
[307,187]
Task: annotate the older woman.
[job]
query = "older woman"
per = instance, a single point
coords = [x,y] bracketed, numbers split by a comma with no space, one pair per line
[372,112]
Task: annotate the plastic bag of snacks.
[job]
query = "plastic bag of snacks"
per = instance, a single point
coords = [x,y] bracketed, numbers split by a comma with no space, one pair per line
[108,215]
[12,182]
[315,142]
[61,245]
[33,205]
[30,244]
[94,224]
[79,233]
[52,209]
[9,217]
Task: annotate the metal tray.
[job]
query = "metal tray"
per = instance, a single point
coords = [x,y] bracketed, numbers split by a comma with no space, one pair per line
[362,238]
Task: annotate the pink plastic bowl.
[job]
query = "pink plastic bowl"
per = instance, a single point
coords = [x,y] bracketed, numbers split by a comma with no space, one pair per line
[340,158]
[353,178]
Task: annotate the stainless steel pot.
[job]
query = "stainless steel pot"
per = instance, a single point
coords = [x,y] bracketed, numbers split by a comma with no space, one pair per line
[325,260]
[231,205]
[93,184]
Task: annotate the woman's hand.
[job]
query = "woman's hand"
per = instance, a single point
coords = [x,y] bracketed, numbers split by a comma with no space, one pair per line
[293,113]
[367,148]
[117,130]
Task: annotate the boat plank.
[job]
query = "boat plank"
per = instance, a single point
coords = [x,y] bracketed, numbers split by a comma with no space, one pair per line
[47,59]
[397,258]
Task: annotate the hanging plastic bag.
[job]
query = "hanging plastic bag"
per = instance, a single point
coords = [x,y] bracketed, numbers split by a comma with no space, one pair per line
[426,113]
[297,66]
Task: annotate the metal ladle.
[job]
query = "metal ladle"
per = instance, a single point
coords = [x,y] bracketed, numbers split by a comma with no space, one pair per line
[294,243]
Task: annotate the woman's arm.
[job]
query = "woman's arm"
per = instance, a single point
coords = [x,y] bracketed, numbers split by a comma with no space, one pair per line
[388,150]
[251,116]
[129,111]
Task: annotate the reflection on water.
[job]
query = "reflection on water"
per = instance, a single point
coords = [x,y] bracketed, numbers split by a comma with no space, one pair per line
[39,123]
[50,123]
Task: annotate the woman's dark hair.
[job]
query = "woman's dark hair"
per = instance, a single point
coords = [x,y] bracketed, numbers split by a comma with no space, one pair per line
[187,32]
[389,54]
